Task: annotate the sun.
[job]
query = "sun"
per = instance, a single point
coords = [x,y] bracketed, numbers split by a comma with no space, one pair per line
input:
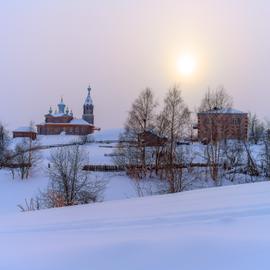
[186,64]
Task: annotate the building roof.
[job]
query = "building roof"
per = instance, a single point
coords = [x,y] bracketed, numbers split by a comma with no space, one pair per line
[61,102]
[57,114]
[223,111]
[88,100]
[25,129]
[79,122]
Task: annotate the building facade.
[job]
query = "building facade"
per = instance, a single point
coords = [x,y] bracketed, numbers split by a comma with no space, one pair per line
[220,124]
[150,139]
[25,132]
[63,121]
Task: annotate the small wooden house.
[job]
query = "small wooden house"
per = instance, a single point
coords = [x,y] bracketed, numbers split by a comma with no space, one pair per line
[25,132]
[149,138]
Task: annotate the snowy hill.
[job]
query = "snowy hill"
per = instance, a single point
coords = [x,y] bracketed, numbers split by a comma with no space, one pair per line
[217,228]
[108,134]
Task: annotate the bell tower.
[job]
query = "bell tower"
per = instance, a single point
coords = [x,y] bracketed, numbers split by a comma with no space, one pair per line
[88,108]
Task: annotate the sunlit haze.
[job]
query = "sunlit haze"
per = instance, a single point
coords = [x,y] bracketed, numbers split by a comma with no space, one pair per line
[186,64]
[54,48]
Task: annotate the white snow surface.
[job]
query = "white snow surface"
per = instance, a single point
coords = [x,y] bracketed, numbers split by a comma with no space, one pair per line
[108,134]
[223,228]
[50,140]
[79,121]
[15,191]
[26,129]
[103,135]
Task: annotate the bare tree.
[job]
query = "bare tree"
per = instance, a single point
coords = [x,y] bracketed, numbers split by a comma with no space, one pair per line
[213,154]
[26,157]
[256,129]
[233,159]
[70,184]
[140,119]
[217,131]
[141,115]
[161,124]
[265,156]
[218,98]
[4,141]
[175,117]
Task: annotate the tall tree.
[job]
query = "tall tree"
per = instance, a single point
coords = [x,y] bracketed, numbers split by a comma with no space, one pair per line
[217,98]
[140,119]
[4,140]
[141,116]
[176,116]
[27,156]
[256,128]
[217,128]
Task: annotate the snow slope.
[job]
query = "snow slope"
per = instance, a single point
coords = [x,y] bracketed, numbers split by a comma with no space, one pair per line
[107,134]
[216,228]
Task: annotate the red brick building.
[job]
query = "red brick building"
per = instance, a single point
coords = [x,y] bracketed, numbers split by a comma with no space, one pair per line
[219,124]
[62,120]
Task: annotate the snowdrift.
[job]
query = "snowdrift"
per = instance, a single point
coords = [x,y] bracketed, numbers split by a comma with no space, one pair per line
[216,228]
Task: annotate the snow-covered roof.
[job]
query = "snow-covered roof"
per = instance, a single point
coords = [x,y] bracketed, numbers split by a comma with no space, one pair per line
[57,114]
[72,122]
[223,111]
[25,129]
[79,122]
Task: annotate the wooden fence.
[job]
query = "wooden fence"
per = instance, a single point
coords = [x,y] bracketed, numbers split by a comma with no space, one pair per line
[119,168]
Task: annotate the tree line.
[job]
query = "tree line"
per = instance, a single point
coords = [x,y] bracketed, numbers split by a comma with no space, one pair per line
[173,120]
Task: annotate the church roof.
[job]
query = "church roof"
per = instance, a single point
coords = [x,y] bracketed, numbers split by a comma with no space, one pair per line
[88,100]
[58,114]
[61,102]
[79,122]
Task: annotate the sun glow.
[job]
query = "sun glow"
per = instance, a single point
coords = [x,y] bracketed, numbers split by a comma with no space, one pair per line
[186,64]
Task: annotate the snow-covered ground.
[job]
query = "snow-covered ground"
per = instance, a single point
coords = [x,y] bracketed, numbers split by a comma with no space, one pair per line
[119,186]
[218,228]
[14,192]
[109,134]
[223,228]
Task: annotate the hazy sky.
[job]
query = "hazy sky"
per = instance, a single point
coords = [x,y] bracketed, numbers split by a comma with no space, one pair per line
[55,48]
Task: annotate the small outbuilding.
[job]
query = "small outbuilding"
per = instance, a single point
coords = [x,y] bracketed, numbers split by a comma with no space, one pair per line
[151,139]
[25,132]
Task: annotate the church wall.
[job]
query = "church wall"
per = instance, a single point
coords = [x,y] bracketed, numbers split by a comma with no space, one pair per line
[60,119]
[47,129]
